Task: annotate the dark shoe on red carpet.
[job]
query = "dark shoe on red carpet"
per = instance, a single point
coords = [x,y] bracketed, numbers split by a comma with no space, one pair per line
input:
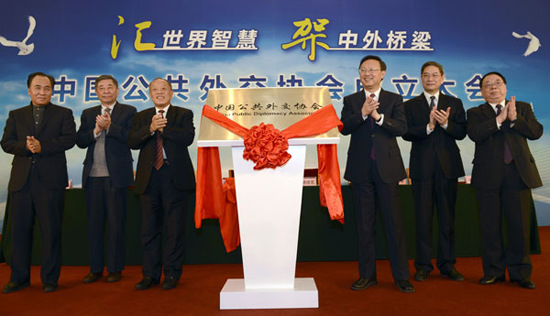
[491,279]
[405,286]
[146,283]
[363,283]
[527,284]
[421,275]
[14,287]
[169,283]
[113,277]
[49,287]
[92,277]
[453,275]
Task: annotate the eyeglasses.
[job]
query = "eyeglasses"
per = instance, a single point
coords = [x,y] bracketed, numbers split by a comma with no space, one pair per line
[496,84]
[369,70]
[434,75]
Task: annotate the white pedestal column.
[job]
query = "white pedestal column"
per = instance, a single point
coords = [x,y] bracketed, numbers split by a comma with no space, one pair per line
[269,204]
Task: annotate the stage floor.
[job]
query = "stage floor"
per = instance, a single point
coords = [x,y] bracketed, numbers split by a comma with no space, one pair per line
[198,292]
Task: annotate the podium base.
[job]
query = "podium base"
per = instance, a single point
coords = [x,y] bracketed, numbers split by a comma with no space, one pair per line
[303,295]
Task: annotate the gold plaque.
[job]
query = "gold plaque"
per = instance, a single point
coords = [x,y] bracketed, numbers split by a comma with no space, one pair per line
[281,107]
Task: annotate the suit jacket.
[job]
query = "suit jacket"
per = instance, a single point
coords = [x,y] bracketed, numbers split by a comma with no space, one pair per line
[57,134]
[117,153]
[440,144]
[176,137]
[488,163]
[388,156]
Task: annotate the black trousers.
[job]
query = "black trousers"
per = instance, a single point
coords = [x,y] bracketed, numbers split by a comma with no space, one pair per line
[35,200]
[162,202]
[440,192]
[368,196]
[106,203]
[511,201]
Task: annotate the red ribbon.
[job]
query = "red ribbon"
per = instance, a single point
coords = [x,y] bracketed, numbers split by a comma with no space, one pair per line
[216,201]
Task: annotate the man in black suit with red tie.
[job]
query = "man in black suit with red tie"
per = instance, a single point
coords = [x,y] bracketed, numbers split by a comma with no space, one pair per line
[503,174]
[435,121]
[374,118]
[164,175]
[37,136]
[106,175]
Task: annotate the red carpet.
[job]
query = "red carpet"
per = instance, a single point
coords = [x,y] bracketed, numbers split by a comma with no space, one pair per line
[200,285]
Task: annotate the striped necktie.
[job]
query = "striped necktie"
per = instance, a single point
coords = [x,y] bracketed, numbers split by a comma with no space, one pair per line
[159,159]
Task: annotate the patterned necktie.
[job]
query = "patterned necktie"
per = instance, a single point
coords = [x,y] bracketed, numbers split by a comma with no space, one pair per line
[159,159]
[372,154]
[507,152]
[107,110]
[432,102]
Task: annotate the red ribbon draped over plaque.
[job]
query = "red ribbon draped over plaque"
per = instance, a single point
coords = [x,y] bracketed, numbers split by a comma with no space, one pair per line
[266,147]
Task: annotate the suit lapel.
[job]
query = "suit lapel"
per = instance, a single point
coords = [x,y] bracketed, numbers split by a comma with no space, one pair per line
[148,115]
[381,99]
[424,107]
[361,98]
[442,102]
[488,110]
[171,115]
[29,120]
[115,113]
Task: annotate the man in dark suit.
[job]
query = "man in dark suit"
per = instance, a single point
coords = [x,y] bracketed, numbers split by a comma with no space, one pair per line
[374,117]
[435,121]
[38,136]
[106,176]
[164,174]
[503,174]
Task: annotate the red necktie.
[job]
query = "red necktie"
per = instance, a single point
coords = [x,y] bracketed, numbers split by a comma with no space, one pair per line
[507,152]
[159,159]
[372,154]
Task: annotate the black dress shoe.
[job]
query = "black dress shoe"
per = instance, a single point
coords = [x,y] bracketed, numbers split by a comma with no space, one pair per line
[405,286]
[92,277]
[14,287]
[491,279]
[113,277]
[453,275]
[146,283]
[527,284]
[49,287]
[169,283]
[421,275]
[363,283]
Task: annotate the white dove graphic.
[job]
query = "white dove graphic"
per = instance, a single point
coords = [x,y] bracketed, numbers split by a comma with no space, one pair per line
[534,42]
[24,48]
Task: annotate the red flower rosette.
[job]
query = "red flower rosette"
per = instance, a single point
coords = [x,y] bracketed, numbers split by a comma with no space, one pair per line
[266,147]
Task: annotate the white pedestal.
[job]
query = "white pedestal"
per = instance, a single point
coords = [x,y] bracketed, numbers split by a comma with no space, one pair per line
[234,295]
[269,204]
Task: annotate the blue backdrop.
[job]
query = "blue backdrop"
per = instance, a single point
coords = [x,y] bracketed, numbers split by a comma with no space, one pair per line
[233,44]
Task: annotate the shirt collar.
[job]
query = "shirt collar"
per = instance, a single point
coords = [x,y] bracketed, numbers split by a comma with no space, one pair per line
[165,109]
[111,106]
[428,96]
[494,105]
[376,93]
